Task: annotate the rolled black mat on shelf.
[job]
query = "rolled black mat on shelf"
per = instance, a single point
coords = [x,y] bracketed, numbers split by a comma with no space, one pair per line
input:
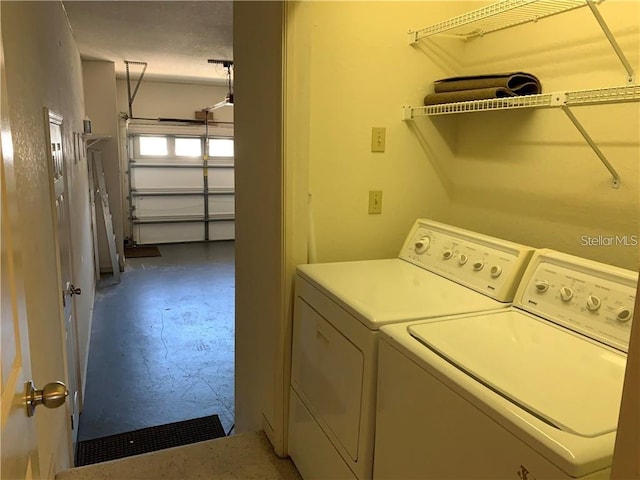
[520,83]
[481,87]
[148,440]
[467,95]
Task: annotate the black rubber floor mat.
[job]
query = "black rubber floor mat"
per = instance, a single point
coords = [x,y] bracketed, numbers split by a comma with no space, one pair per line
[148,440]
[140,251]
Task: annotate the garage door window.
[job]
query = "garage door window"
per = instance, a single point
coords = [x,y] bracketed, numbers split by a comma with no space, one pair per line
[220,147]
[153,146]
[188,147]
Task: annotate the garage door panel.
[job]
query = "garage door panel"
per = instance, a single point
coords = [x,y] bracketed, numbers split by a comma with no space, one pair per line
[222,204]
[166,178]
[222,230]
[170,232]
[221,177]
[184,232]
[173,205]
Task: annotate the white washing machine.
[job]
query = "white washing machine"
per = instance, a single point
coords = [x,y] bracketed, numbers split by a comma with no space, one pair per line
[529,392]
[339,307]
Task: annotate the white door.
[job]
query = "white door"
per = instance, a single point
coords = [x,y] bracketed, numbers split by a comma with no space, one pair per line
[68,290]
[17,431]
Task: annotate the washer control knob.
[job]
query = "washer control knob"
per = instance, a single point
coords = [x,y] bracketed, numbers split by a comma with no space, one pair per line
[422,245]
[478,265]
[462,259]
[566,294]
[623,314]
[542,286]
[496,271]
[593,303]
[447,254]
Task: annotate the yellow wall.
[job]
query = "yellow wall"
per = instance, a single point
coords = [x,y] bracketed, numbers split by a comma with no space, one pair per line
[523,175]
[43,70]
[528,175]
[362,70]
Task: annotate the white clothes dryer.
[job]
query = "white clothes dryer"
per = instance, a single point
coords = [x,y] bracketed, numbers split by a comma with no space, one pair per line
[529,392]
[339,308]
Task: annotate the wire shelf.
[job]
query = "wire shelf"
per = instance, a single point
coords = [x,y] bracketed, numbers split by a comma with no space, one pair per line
[497,16]
[619,94]
[528,101]
[594,96]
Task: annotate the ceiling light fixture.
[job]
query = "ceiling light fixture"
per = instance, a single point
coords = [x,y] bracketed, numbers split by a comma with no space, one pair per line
[228,100]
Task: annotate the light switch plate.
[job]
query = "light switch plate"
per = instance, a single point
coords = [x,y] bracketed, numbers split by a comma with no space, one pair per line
[375,202]
[378,139]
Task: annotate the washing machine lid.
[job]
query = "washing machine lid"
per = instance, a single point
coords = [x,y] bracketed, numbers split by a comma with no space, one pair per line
[378,292]
[556,375]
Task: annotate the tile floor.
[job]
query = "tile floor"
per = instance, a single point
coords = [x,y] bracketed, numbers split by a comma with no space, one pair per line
[162,342]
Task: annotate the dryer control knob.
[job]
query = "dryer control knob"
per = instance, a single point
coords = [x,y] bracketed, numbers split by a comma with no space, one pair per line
[463,258]
[422,245]
[566,294]
[478,265]
[593,303]
[542,286]
[496,271]
[447,254]
[623,314]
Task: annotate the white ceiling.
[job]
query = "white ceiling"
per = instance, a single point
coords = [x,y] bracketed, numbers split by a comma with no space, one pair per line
[175,38]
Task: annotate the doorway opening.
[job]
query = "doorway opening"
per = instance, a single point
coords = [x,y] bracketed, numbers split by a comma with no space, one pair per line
[163,338]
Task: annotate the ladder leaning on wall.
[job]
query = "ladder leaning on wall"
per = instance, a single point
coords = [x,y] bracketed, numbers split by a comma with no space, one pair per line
[98,187]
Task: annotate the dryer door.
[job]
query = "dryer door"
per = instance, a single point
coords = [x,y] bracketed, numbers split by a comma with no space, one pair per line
[327,373]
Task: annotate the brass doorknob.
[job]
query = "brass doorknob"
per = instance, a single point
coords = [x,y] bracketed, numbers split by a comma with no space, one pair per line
[52,395]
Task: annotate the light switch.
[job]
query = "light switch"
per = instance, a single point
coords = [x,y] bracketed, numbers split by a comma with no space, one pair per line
[375,202]
[378,139]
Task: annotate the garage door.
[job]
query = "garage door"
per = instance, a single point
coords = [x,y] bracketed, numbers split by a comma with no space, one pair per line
[181,184]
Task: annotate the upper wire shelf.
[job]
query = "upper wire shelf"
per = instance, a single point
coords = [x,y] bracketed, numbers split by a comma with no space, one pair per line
[497,16]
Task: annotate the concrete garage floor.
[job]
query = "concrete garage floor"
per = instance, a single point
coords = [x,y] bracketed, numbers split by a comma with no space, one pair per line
[162,342]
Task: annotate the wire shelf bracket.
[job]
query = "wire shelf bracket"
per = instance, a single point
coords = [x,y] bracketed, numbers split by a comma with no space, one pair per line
[615,182]
[612,40]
